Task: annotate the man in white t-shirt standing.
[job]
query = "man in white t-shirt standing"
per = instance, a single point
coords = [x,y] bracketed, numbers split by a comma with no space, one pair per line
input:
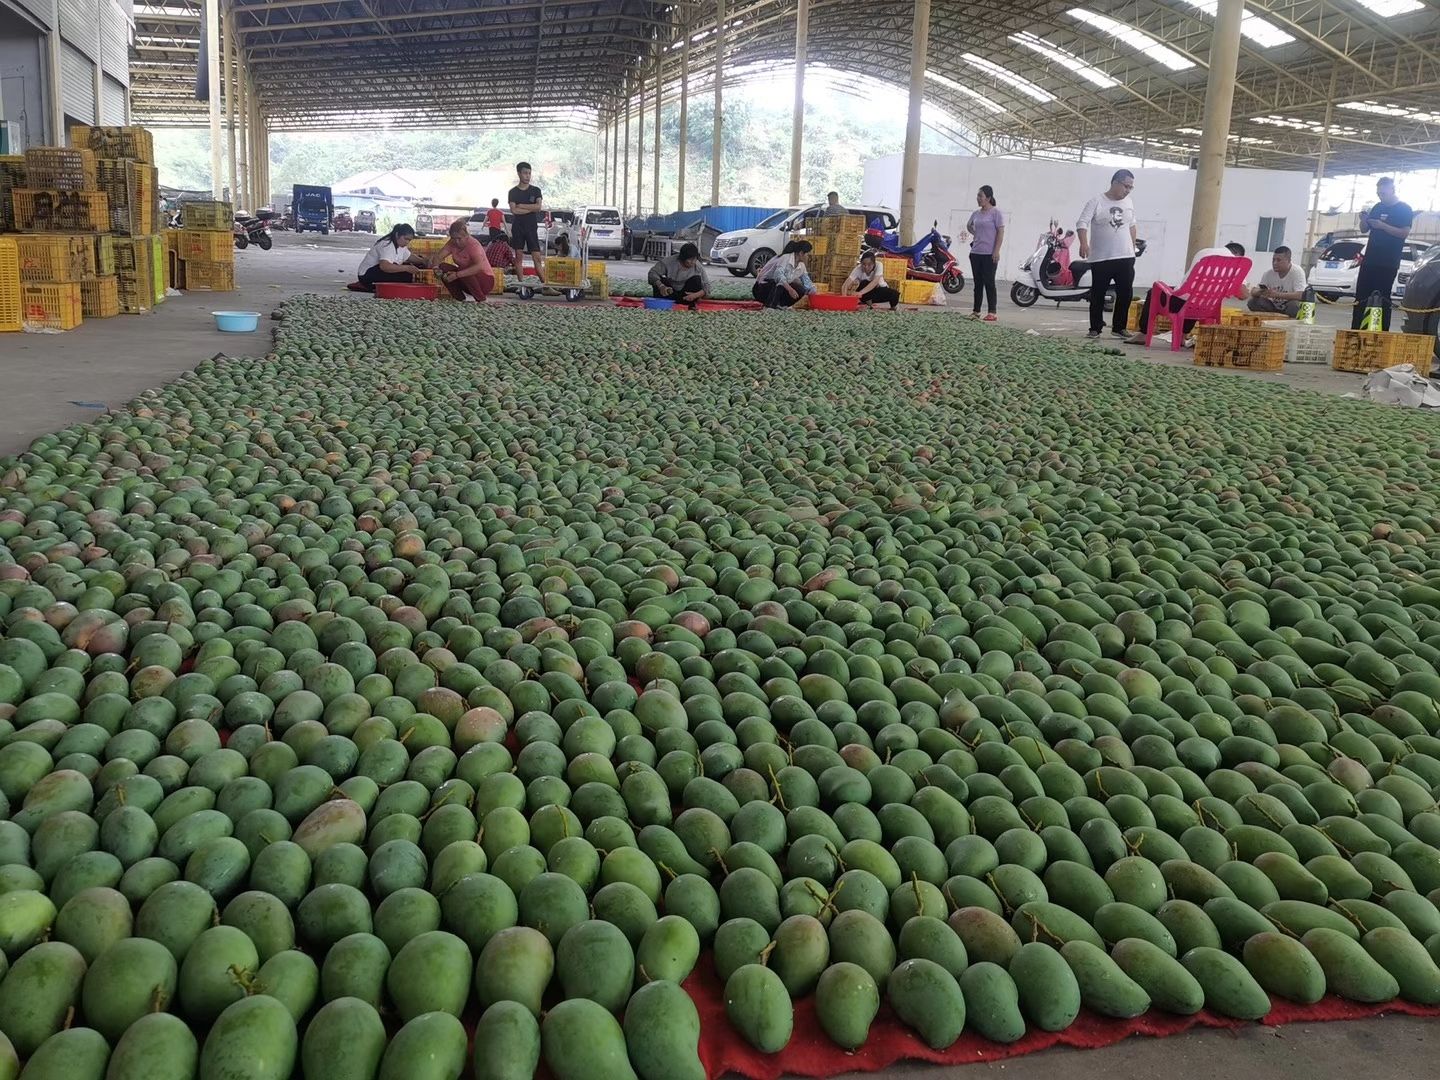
[1281,288]
[1106,231]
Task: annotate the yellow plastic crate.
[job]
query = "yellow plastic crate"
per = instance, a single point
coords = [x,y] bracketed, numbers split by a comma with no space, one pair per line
[207,214]
[209,276]
[9,285]
[599,286]
[137,291]
[426,245]
[1234,316]
[562,272]
[1256,348]
[206,245]
[1133,321]
[56,210]
[132,254]
[53,307]
[100,298]
[115,142]
[1371,350]
[917,292]
[130,190]
[63,167]
[104,255]
[894,269]
[55,258]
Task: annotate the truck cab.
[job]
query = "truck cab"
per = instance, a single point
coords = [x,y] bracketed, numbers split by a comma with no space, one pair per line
[314,207]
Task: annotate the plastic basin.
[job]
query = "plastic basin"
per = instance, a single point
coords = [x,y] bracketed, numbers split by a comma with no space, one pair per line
[396,290]
[655,303]
[237,322]
[821,302]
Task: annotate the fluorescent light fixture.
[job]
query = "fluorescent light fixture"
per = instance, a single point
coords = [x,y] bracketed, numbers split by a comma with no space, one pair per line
[1073,63]
[1244,140]
[1312,126]
[1266,35]
[1135,38]
[1005,75]
[950,84]
[1388,8]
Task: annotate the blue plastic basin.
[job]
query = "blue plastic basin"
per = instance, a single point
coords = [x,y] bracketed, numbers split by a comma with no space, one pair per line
[655,303]
[237,322]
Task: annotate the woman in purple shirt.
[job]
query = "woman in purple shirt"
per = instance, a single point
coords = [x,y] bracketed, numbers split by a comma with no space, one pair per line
[987,232]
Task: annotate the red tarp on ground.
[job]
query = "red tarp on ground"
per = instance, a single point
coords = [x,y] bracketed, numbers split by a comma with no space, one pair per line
[811,1053]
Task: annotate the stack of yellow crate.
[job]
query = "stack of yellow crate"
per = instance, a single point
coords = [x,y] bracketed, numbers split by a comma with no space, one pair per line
[125,172]
[63,275]
[61,213]
[203,252]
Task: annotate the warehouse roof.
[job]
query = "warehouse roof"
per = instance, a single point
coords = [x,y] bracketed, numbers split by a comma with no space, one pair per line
[1047,77]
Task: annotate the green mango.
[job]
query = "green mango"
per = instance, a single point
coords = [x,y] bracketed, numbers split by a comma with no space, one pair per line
[433,1046]
[668,950]
[76,1053]
[344,1040]
[846,1001]
[758,1007]
[216,973]
[507,1043]
[1284,968]
[515,965]
[1171,987]
[1048,991]
[662,1034]
[594,960]
[38,993]
[1407,961]
[253,1039]
[1350,971]
[1104,987]
[158,1046]
[928,999]
[127,980]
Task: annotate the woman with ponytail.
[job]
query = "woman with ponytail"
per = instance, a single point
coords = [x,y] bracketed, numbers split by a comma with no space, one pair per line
[987,233]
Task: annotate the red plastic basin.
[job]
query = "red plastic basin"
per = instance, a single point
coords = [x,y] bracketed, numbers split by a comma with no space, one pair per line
[395,290]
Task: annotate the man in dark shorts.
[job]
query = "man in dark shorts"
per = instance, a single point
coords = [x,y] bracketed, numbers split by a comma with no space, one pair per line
[527,207]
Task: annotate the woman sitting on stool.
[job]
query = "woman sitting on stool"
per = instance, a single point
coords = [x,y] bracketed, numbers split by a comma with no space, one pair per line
[680,277]
[784,279]
[868,283]
[389,259]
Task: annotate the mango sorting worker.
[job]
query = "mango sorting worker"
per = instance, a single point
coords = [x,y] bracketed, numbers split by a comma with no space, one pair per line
[680,277]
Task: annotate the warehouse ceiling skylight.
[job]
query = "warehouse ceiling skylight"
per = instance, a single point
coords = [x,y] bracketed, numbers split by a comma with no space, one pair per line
[1265,34]
[1401,111]
[1390,8]
[960,88]
[1136,39]
[1072,62]
[1004,74]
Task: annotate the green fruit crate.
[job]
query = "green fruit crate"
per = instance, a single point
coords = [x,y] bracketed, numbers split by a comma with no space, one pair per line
[1255,348]
[1365,351]
[207,214]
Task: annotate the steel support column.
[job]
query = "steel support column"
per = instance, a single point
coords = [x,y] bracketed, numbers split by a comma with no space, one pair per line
[910,163]
[242,142]
[1313,226]
[1215,130]
[797,115]
[232,61]
[602,173]
[640,147]
[659,96]
[717,145]
[683,146]
[212,47]
[625,172]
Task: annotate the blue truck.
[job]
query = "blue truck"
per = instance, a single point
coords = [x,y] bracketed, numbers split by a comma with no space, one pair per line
[313,207]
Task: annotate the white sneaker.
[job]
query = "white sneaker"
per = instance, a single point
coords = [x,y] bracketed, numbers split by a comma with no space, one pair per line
[468,299]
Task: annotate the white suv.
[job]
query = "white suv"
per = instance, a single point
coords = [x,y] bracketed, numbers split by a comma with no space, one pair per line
[745,251]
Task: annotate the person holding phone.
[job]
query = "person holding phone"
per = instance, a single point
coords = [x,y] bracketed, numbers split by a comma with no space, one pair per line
[1281,288]
[1388,223]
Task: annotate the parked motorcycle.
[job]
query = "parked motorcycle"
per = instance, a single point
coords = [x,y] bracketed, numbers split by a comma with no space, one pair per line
[252,230]
[929,257]
[1051,274]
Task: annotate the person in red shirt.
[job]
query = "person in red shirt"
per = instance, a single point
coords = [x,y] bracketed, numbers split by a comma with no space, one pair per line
[467,273]
[495,220]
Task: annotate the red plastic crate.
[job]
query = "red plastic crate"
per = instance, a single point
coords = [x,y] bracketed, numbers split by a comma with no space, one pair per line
[395,290]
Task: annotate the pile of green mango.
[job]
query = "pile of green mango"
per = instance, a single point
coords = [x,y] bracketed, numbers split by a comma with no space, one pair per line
[459,668]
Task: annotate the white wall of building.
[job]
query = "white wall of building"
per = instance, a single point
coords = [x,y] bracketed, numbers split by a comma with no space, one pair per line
[1033,192]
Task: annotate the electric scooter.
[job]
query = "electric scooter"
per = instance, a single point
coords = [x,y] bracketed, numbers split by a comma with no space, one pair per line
[1050,274]
[929,257]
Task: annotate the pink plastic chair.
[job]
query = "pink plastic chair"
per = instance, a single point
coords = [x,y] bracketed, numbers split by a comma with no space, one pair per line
[1210,282]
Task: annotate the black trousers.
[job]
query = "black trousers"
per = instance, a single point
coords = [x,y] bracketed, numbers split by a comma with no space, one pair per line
[1175,304]
[1121,274]
[982,267]
[772,295]
[497,234]
[1370,280]
[375,274]
[689,285]
[882,294]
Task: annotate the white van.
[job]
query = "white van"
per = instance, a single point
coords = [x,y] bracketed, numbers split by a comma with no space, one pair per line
[745,251]
[607,230]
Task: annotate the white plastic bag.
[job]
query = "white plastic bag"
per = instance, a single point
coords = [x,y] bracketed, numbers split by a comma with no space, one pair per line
[937,297]
[1402,386]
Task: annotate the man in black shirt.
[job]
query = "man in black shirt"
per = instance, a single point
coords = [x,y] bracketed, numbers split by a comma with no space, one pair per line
[1388,223]
[527,206]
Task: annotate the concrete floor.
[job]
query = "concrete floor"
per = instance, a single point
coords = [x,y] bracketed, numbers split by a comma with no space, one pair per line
[53,380]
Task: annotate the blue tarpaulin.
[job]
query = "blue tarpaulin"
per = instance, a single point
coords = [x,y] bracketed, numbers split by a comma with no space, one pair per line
[720,218]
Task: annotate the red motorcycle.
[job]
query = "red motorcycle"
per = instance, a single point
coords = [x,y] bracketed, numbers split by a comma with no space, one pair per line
[929,257]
